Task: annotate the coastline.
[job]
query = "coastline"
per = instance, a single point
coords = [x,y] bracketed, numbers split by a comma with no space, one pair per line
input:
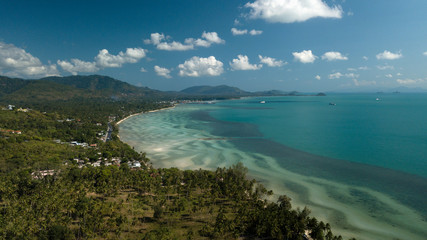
[136,114]
[326,198]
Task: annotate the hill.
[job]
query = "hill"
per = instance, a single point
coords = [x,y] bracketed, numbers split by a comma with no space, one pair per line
[103,85]
[71,87]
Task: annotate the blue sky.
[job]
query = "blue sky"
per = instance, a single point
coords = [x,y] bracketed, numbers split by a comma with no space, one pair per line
[304,45]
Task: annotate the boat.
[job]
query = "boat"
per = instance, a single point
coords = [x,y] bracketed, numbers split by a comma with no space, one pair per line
[262,102]
[377,99]
[332,104]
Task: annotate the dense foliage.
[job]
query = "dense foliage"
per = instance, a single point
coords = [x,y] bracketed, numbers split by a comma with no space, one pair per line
[52,186]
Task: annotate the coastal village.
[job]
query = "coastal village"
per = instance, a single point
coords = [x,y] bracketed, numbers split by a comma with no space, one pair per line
[103,136]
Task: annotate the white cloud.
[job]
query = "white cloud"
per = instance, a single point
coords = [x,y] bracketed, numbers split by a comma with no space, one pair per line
[155,39]
[197,66]
[161,43]
[385,67]
[212,37]
[335,75]
[317,77]
[388,76]
[365,58]
[425,53]
[132,55]
[76,66]
[351,75]
[17,62]
[163,72]
[174,46]
[255,32]
[340,75]
[305,56]
[252,32]
[363,68]
[242,63]
[289,11]
[271,62]
[143,70]
[387,55]
[408,81]
[103,60]
[332,56]
[236,31]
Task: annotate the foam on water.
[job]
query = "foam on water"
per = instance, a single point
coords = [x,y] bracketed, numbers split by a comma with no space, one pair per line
[188,138]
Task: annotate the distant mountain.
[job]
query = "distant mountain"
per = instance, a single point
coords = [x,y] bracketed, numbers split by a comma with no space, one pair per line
[72,87]
[222,90]
[10,85]
[103,85]
[42,90]
[93,87]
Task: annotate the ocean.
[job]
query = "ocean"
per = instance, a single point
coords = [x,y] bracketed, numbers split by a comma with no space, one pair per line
[358,161]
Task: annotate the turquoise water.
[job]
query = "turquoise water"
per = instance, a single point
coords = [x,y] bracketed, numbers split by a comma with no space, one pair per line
[360,165]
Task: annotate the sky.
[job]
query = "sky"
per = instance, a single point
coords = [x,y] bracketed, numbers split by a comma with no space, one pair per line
[302,45]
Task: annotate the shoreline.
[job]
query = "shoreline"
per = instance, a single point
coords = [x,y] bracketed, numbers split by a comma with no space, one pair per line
[324,204]
[136,114]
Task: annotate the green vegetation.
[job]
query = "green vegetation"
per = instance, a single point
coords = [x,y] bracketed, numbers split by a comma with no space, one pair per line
[61,179]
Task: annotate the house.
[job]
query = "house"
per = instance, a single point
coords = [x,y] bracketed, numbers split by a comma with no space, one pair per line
[22,109]
[42,174]
[134,164]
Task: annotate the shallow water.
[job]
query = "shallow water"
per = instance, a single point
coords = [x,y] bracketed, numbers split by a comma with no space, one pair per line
[348,163]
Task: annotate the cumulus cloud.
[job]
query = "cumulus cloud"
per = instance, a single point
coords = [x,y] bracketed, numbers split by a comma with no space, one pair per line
[305,56]
[255,32]
[242,63]
[289,11]
[338,75]
[333,56]
[76,66]
[252,32]
[163,72]
[317,77]
[17,62]
[271,62]
[106,60]
[388,76]
[236,31]
[212,37]
[335,75]
[197,66]
[387,55]
[365,58]
[143,70]
[425,53]
[161,43]
[103,60]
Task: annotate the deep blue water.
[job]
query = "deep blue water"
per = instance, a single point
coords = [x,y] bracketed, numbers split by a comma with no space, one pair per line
[390,132]
[360,164]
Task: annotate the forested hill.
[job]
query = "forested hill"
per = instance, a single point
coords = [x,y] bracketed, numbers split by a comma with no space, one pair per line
[66,88]
[104,84]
